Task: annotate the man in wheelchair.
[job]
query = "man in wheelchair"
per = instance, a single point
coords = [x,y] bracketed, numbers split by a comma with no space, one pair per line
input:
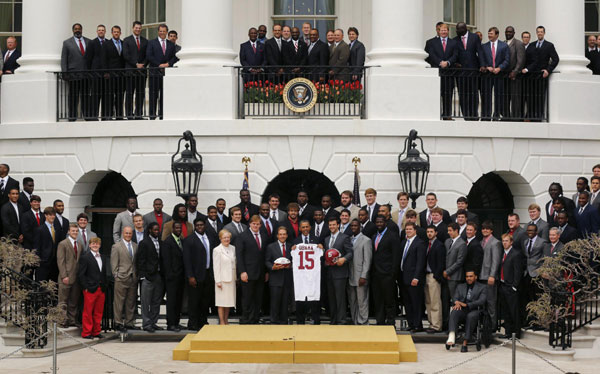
[468,299]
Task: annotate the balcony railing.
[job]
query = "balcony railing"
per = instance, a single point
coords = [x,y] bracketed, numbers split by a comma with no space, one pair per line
[339,92]
[474,96]
[115,94]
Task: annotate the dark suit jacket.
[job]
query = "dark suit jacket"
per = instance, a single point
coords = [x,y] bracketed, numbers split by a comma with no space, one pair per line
[210,231]
[468,58]
[172,259]
[273,56]
[28,226]
[89,276]
[11,64]
[61,231]
[588,222]
[442,232]
[290,229]
[10,221]
[357,57]
[530,55]
[278,278]
[474,258]
[436,259]
[319,54]
[11,183]
[252,210]
[414,261]
[546,57]
[471,217]
[155,55]
[374,211]
[250,258]
[147,261]
[344,245]
[519,236]
[502,55]
[112,58]
[24,202]
[594,57]
[385,256]
[369,229]
[131,53]
[312,239]
[291,57]
[250,58]
[421,234]
[478,295]
[95,54]
[308,213]
[569,234]
[42,243]
[194,258]
[324,232]
[513,268]
[331,213]
[445,216]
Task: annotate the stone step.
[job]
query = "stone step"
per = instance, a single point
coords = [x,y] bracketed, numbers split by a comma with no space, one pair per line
[65,345]
[592,329]
[8,328]
[540,339]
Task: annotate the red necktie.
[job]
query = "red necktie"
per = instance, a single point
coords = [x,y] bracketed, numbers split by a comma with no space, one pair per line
[502,270]
[253,47]
[137,40]
[283,249]
[444,44]
[164,47]
[37,217]
[257,241]
[81,47]
[377,240]
[84,238]
[246,214]
[7,56]
[75,247]
[268,227]
[429,220]
[464,40]
[429,249]
[296,46]
[551,209]
[493,55]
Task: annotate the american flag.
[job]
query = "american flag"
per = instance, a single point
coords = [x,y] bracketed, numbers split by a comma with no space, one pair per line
[355,191]
[245,184]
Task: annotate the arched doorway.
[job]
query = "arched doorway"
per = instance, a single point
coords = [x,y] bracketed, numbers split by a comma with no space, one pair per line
[290,182]
[109,198]
[491,199]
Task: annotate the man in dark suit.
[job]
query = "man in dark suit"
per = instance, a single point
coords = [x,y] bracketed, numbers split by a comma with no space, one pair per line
[252,53]
[546,60]
[302,307]
[337,274]
[173,270]
[268,223]
[95,61]
[320,228]
[386,248]
[213,225]
[10,56]
[294,53]
[429,42]
[513,97]
[357,54]
[431,201]
[372,207]
[318,55]
[115,84]
[368,228]
[10,215]
[273,55]
[160,53]
[516,231]
[221,204]
[91,275]
[494,58]
[7,183]
[410,263]
[469,46]
[61,224]
[327,208]
[248,209]
[250,248]
[134,51]
[555,190]
[73,59]
[30,220]
[281,281]
[434,278]
[306,210]
[587,216]
[511,272]
[474,257]
[292,223]
[463,203]
[173,36]
[147,263]
[45,244]
[25,195]
[437,215]
[591,53]
[345,222]
[567,232]
[197,261]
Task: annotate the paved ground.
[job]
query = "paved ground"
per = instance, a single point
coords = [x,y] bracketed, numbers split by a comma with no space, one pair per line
[156,359]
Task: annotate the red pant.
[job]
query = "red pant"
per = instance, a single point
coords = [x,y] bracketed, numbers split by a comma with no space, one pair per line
[93,306]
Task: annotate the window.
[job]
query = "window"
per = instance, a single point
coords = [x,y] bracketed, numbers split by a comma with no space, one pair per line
[592,17]
[456,11]
[151,13]
[11,16]
[293,13]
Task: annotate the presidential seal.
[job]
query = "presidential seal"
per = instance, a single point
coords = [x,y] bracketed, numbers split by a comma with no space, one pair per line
[300,95]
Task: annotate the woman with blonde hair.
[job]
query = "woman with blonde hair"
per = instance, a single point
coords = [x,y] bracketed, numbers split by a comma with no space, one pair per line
[225,275]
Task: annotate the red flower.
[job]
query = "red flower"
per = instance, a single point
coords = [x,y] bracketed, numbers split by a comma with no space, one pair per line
[337,82]
[360,87]
[347,85]
[267,81]
[341,82]
[331,82]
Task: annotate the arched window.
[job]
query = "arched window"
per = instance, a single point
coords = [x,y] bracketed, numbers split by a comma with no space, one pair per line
[293,13]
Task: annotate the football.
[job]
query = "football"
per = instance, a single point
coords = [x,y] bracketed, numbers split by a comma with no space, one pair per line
[331,256]
[282,261]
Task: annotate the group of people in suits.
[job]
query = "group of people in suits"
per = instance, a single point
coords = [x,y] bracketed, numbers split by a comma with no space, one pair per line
[115,93]
[503,65]
[10,55]
[592,53]
[389,257]
[290,46]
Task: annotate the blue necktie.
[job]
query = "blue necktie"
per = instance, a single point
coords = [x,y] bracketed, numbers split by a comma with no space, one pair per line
[404,254]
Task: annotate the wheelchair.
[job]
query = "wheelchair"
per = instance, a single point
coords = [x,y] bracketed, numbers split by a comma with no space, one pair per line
[483,332]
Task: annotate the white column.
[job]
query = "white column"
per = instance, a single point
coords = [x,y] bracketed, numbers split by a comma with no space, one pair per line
[211,43]
[397,33]
[42,47]
[564,23]
[202,87]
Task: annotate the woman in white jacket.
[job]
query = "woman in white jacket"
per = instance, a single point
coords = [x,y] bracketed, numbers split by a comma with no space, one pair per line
[225,276]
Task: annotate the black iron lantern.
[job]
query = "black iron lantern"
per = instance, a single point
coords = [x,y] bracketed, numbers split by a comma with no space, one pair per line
[187,169]
[413,169]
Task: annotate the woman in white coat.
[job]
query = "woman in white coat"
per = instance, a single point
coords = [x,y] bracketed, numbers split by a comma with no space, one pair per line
[225,276]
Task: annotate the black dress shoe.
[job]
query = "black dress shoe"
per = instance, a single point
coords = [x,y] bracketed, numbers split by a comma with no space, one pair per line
[505,336]
[173,328]
[158,328]
[131,327]
[407,328]
[149,329]
[88,337]
[99,336]
[464,349]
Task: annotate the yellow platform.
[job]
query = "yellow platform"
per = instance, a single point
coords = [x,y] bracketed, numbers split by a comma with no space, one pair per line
[297,344]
